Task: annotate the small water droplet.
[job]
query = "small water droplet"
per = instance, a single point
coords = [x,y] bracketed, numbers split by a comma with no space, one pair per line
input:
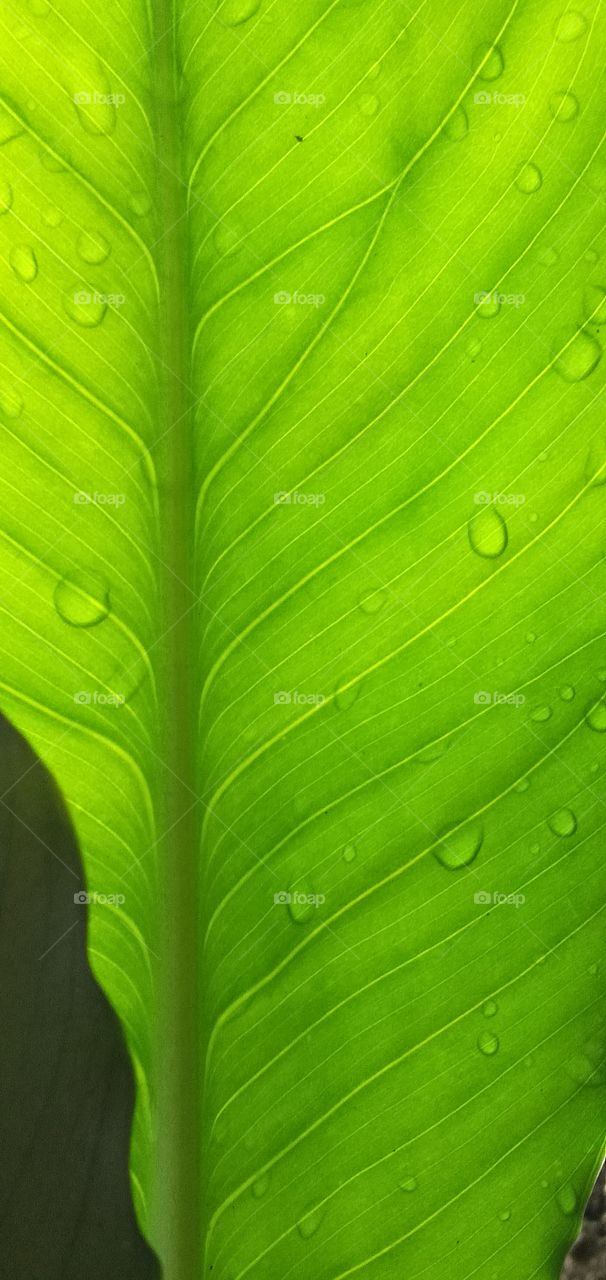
[505,1215]
[260,1187]
[24,263]
[300,907]
[10,402]
[459,846]
[540,714]
[596,716]
[567,1199]
[457,127]
[522,785]
[233,12]
[6,196]
[489,306]
[564,107]
[593,969]
[544,1183]
[373,601]
[369,104]
[309,1224]
[346,696]
[547,256]
[490,1009]
[93,248]
[9,127]
[140,203]
[567,693]
[488,1043]
[374,72]
[563,822]
[82,599]
[487,533]
[492,58]
[592,256]
[534,849]
[84,308]
[579,357]
[349,853]
[530,637]
[473,348]
[571,26]
[529,179]
[408,1183]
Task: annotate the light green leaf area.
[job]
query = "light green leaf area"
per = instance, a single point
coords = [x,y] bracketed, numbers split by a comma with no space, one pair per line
[314,325]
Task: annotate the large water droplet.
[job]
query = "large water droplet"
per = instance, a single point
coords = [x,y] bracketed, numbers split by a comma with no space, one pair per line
[349,853]
[571,26]
[94,103]
[408,1182]
[540,714]
[82,599]
[563,822]
[567,1199]
[564,107]
[596,716]
[309,1224]
[493,65]
[233,12]
[505,1215]
[372,601]
[11,403]
[490,1009]
[487,533]
[260,1187]
[529,179]
[369,104]
[85,308]
[24,263]
[459,846]
[488,1043]
[489,306]
[567,693]
[6,196]
[457,127]
[579,357]
[93,248]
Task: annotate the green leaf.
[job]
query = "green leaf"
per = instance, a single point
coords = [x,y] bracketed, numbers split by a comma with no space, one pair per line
[307,301]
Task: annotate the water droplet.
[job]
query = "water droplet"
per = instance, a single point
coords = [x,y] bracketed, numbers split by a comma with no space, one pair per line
[593,969]
[52,217]
[260,1187]
[592,256]
[346,696]
[408,1183]
[596,716]
[492,58]
[374,72]
[522,785]
[579,357]
[571,26]
[457,127]
[567,693]
[24,263]
[563,822]
[349,853]
[530,637]
[459,846]
[487,533]
[309,1224]
[541,714]
[564,107]
[567,1199]
[489,306]
[84,308]
[140,203]
[300,906]
[233,12]
[9,127]
[594,301]
[547,256]
[504,1215]
[93,248]
[595,463]
[6,196]
[473,348]
[369,104]
[373,601]
[10,402]
[529,179]
[534,849]
[490,1009]
[488,1043]
[82,599]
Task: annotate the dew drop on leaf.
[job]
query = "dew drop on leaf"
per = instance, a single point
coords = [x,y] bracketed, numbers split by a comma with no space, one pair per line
[408,1183]
[11,403]
[460,846]
[9,127]
[567,1199]
[505,1215]
[563,822]
[540,714]
[82,599]
[308,1225]
[487,533]
[349,853]
[93,248]
[567,693]
[299,907]
[473,348]
[530,637]
[6,196]
[490,1009]
[84,308]
[529,179]
[372,601]
[489,307]
[260,1187]
[563,106]
[596,716]
[233,12]
[492,58]
[594,301]
[579,357]
[522,785]
[457,127]
[547,256]
[571,26]
[140,203]
[24,263]
[488,1043]
[369,104]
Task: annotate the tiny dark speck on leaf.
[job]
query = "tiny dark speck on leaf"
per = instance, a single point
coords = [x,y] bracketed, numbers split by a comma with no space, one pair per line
[298,137]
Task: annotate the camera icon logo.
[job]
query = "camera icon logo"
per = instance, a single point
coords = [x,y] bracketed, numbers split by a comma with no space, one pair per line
[282,899]
[482,698]
[482,898]
[81,498]
[83,699]
[282,299]
[482,99]
[282,698]
[282,99]
[82,99]
[82,899]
